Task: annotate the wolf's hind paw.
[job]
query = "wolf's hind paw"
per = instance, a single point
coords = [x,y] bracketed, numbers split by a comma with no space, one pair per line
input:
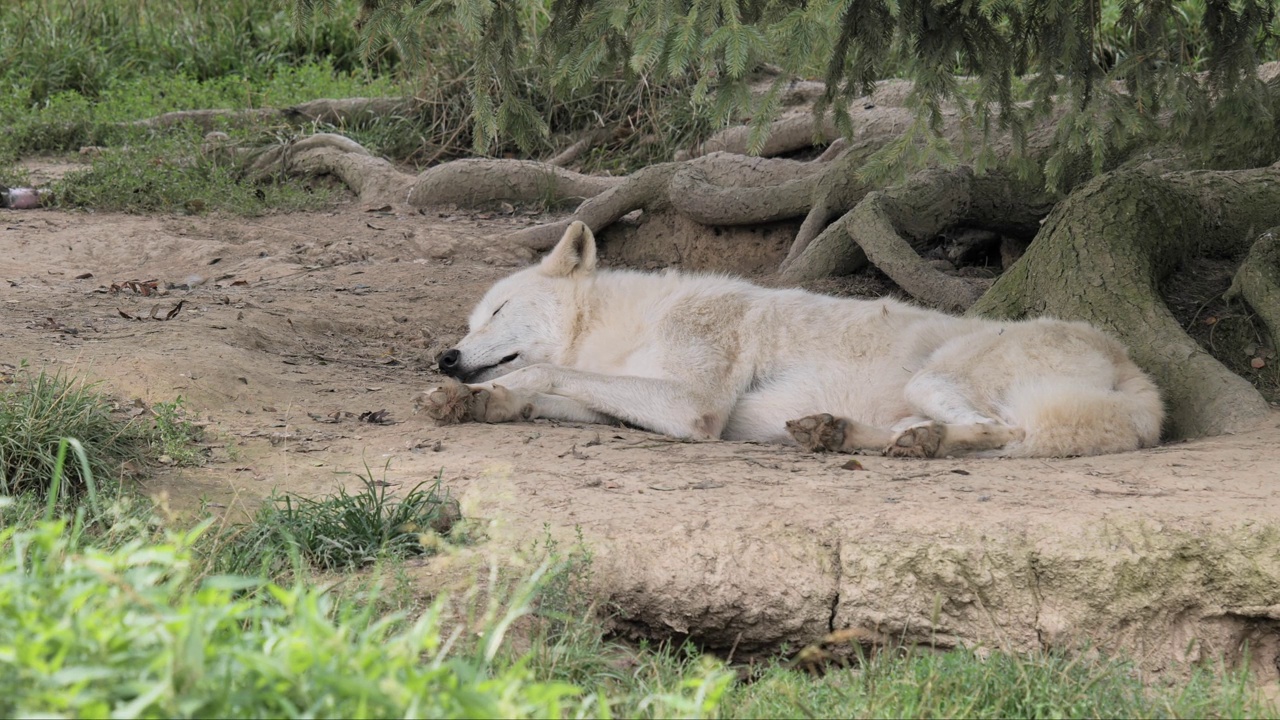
[917,441]
[818,433]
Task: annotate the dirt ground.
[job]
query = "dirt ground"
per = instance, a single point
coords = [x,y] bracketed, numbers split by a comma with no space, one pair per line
[291,326]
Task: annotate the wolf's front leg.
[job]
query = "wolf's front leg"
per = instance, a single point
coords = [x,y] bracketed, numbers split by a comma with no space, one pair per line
[660,405]
[454,402]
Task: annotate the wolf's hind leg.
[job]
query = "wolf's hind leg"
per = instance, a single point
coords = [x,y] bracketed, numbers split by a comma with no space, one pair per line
[825,432]
[947,422]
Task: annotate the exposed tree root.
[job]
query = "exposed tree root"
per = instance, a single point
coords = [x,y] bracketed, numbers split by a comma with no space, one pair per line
[373,179]
[1257,282]
[798,128]
[641,190]
[207,120]
[482,182]
[920,209]
[716,189]
[886,226]
[462,182]
[570,155]
[349,111]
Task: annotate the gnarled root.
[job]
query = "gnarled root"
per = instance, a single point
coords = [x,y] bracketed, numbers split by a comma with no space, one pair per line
[1257,282]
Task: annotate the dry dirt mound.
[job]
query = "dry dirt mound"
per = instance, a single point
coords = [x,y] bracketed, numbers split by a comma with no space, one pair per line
[288,323]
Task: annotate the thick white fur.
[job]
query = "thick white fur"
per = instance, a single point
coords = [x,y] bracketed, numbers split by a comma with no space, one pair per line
[705,356]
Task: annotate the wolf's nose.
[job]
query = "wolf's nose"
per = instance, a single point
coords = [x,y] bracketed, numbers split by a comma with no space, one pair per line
[448,361]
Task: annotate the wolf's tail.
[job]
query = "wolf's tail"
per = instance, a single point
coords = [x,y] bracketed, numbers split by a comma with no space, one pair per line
[1062,420]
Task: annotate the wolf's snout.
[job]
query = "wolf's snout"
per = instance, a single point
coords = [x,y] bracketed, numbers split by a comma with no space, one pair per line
[450,362]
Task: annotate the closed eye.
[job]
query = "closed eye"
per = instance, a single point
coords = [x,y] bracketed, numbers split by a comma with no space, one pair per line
[495,312]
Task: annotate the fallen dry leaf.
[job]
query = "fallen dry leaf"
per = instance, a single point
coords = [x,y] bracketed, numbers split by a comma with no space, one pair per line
[376,417]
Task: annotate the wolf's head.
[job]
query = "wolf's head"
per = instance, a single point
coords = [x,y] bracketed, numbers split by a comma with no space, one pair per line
[522,319]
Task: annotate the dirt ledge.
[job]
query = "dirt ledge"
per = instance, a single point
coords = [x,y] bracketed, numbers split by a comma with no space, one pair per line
[1163,561]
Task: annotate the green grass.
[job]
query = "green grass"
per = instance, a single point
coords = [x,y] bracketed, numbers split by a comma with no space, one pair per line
[133,632]
[84,46]
[38,410]
[125,619]
[76,73]
[961,683]
[69,120]
[340,532]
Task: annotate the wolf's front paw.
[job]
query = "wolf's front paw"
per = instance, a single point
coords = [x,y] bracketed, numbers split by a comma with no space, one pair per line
[447,404]
[454,402]
[817,433]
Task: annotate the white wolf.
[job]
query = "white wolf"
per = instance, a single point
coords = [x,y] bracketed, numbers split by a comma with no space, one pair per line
[703,356]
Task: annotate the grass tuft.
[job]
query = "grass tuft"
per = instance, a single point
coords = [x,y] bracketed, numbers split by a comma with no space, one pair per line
[176,436]
[344,531]
[38,411]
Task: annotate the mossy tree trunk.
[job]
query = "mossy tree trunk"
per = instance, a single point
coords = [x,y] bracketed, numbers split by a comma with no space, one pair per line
[1102,254]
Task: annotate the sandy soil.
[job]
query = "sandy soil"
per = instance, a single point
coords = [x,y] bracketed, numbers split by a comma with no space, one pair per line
[291,326]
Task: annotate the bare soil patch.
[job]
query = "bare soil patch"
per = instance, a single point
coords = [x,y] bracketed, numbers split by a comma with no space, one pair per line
[291,326]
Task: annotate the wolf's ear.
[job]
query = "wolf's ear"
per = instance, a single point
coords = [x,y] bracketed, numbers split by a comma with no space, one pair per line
[575,254]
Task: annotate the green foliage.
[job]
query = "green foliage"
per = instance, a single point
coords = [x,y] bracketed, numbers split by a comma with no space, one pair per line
[77,73]
[962,684]
[149,69]
[37,411]
[489,87]
[1112,67]
[1112,70]
[343,531]
[133,632]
